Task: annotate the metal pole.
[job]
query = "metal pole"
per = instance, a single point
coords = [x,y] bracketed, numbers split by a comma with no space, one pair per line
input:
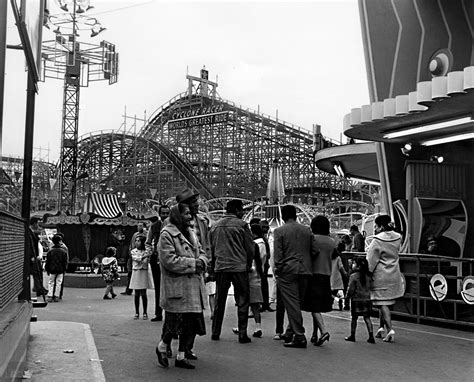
[27,170]
[3,50]
[28,148]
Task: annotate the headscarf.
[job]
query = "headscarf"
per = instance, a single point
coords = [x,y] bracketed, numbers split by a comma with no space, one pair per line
[178,221]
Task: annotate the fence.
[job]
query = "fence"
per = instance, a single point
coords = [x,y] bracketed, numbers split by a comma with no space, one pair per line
[12,242]
[423,302]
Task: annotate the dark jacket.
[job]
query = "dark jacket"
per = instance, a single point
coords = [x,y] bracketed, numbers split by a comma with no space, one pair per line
[358,242]
[152,238]
[56,260]
[356,291]
[232,246]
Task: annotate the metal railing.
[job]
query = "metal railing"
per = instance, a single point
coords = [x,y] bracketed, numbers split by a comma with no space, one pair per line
[420,301]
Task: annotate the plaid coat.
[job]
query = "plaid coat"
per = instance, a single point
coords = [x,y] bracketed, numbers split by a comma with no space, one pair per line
[182,290]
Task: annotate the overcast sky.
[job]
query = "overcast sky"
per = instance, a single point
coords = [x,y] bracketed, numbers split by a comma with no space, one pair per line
[304,59]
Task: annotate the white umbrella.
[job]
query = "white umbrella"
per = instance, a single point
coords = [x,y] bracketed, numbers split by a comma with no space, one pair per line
[275,188]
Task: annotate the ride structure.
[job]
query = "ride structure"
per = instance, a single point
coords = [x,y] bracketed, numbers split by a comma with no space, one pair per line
[199,140]
[77,63]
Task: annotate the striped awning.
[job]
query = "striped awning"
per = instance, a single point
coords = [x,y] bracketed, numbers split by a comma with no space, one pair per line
[104,205]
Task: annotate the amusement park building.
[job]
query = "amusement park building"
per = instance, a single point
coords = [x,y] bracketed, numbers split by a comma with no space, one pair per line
[419,145]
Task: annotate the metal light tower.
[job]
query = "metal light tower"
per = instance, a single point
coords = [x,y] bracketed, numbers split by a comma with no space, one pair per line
[78,63]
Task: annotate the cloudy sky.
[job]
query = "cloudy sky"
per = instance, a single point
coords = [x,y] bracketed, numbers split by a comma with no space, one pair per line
[304,59]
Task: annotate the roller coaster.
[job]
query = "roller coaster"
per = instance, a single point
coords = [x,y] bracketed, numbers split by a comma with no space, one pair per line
[199,140]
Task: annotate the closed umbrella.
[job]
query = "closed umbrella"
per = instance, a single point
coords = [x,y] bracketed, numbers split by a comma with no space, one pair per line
[275,188]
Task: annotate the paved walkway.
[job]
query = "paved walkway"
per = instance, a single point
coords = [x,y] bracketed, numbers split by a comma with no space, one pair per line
[125,348]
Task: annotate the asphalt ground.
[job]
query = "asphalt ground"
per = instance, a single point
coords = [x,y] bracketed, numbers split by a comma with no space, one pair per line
[125,348]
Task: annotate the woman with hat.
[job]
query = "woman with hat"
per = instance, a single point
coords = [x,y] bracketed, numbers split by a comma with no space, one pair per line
[183,263]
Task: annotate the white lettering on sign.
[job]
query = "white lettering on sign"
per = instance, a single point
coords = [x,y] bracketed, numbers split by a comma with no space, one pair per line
[207,119]
[180,114]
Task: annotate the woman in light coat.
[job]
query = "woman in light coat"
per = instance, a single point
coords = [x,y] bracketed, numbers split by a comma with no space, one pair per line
[183,293]
[386,285]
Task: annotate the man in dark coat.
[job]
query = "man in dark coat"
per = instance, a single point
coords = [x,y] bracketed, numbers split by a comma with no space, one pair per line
[36,267]
[358,240]
[152,240]
[293,249]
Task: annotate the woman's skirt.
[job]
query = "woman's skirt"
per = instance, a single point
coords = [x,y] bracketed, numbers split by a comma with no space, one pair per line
[383,302]
[318,297]
[184,323]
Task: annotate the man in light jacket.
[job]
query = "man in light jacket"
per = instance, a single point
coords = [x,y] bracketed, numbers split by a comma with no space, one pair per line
[232,251]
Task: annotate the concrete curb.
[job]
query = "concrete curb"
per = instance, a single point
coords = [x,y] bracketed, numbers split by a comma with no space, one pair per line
[63,351]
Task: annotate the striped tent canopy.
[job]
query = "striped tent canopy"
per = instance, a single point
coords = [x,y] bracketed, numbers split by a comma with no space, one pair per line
[104,205]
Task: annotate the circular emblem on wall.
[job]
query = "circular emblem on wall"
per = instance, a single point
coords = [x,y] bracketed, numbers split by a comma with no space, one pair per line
[438,287]
[467,291]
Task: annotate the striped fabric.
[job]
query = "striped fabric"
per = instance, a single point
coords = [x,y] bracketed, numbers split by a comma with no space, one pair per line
[104,205]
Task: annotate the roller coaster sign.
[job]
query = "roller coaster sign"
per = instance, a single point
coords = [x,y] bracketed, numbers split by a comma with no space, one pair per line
[196,117]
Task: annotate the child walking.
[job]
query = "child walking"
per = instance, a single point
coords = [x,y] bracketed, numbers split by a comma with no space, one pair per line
[141,275]
[359,295]
[109,269]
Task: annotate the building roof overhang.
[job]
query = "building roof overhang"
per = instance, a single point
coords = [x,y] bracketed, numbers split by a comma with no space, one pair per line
[442,99]
[357,161]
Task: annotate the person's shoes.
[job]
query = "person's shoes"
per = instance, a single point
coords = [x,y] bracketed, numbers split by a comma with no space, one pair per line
[324,338]
[136,316]
[157,318]
[371,340]
[106,297]
[184,364]
[390,336]
[169,351]
[126,293]
[145,316]
[299,344]
[162,359]
[288,338]
[55,299]
[314,339]
[380,333]
[278,337]
[215,337]
[49,299]
[244,339]
[350,338]
[235,331]
[189,354]
[257,334]
[114,295]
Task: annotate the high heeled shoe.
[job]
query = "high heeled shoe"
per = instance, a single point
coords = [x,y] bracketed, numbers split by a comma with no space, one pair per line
[390,336]
[162,357]
[324,337]
[380,333]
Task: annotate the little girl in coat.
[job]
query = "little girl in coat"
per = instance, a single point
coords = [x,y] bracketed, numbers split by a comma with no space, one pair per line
[359,294]
[109,269]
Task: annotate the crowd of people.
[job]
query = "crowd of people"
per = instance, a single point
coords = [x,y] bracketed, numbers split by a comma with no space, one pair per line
[191,262]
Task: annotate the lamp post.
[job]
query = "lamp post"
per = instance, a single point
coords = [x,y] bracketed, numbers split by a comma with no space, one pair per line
[78,63]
